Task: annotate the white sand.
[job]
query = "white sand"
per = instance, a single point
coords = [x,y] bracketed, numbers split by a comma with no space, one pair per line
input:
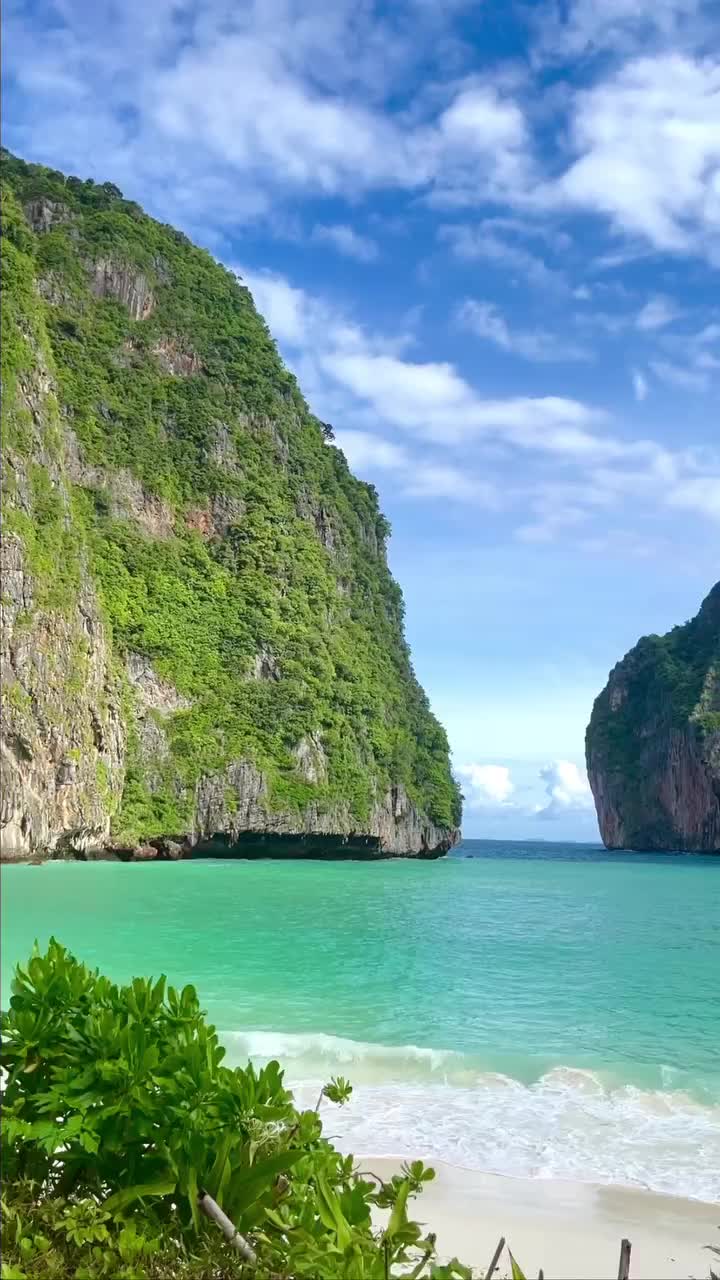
[571,1230]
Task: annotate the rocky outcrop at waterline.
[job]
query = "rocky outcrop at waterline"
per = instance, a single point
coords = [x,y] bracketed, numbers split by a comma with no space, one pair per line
[202,643]
[250,845]
[653,742]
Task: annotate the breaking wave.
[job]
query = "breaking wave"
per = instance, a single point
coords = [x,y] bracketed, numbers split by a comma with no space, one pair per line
[569,1123]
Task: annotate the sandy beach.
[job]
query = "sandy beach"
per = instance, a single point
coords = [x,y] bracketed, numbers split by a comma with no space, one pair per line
[571,1230]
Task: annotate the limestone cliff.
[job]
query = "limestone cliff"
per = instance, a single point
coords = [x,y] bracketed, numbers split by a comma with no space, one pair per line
[202,644]
[653,742]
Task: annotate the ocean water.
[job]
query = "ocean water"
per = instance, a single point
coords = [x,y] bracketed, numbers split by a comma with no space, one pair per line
[532,1009]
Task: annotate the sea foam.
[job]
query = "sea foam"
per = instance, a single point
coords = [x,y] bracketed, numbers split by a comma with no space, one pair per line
[437,1104]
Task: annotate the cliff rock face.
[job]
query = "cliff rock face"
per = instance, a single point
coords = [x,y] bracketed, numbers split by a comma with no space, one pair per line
[202,644]
[63,739]
[653,742]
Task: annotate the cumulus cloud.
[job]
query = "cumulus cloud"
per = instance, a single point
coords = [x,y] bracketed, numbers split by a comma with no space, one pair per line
[486,785]
[432,399]
[491,788]
[480,147]
[215,117]
[284,308]
[567,789]
[227,115]
[658,178]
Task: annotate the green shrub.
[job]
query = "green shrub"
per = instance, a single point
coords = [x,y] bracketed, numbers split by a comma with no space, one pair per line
[119,1115]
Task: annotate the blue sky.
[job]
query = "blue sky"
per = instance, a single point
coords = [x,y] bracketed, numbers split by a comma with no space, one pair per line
[486,237]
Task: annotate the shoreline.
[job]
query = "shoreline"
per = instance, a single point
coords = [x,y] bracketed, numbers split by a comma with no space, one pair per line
[572,1230]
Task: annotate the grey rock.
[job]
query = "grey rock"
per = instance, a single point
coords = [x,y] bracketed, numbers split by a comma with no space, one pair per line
[236,801]
[124,282]
[43,214]
[176,359]
[63,739]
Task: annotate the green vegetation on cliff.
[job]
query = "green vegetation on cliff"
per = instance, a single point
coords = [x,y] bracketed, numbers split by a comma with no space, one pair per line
[672,677]
[653,742]
[228,541]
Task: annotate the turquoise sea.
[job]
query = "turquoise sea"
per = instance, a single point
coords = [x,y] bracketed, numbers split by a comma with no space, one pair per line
[533,1009]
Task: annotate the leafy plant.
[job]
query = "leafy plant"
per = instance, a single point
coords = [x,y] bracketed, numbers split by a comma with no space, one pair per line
[119,1115]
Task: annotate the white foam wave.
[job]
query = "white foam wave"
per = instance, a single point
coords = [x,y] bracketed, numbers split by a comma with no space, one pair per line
[441,1105]
[320,1051]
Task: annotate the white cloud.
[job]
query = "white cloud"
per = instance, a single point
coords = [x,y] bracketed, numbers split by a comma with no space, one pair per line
[459,446]
[700,494]
[284,308]
[486,321]
[648,139]
[551,524]
[486,784]
[640,386]
[705,360]
[586,27]
[479,119]
[228,115]
[492,788]
[440,480]
[656,314]
[268,122]
[710,333]
[332,355]
[432,400]
[347,241]
[677,376]
[365,450]
[567,789]
[481,243]
[215,117]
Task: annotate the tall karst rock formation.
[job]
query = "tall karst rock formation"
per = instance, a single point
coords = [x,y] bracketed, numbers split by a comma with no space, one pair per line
[653,742]
[202,639]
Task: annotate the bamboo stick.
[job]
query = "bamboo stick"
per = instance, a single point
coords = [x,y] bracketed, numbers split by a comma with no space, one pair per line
[231,1233]
[496,1255]
[624,1264]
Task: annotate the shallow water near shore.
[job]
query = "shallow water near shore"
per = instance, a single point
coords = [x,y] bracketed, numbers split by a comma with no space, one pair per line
[537,1010]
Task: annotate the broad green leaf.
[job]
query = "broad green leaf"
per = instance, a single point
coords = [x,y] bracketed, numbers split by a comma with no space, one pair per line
[332,1206]
[120,1200]
[217,1175]
[244,1189]
[398,1217]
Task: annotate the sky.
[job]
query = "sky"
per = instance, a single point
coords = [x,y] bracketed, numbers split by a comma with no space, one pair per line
[486,238]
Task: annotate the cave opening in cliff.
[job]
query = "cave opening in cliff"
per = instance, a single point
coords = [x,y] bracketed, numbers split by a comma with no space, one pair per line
[268,844]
